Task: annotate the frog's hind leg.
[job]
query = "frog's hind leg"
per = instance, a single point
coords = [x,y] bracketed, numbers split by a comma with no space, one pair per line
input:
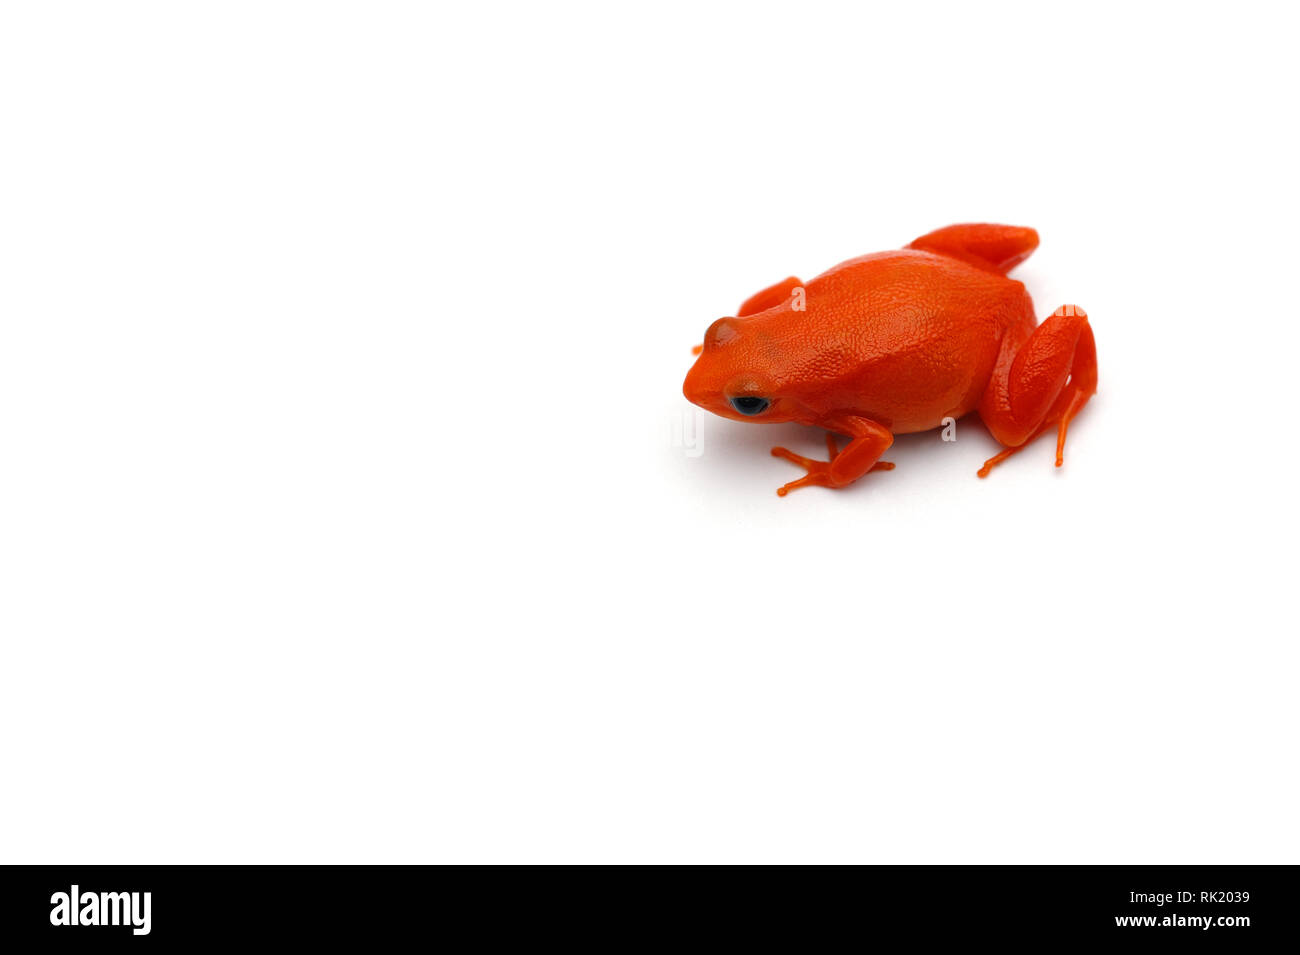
[1043,377]
[769,297]
[996,248]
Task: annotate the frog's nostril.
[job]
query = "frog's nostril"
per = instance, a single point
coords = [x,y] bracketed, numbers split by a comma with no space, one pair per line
[719,333]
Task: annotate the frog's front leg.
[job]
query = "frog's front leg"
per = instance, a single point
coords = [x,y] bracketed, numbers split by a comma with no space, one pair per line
[862,454]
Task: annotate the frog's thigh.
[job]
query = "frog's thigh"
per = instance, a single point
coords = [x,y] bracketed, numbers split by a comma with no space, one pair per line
[770,297]
[1043,382]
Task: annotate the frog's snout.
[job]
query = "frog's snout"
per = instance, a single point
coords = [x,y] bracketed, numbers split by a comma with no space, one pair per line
[690,386]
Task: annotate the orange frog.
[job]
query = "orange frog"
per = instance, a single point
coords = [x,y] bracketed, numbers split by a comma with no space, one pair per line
[898,342]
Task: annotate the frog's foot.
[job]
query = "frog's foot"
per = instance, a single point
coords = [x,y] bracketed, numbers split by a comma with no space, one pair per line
[1005,453]
[819,472]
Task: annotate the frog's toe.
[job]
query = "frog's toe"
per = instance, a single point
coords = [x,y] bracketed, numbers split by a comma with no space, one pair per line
[804,481]
[793,458]
[818,471]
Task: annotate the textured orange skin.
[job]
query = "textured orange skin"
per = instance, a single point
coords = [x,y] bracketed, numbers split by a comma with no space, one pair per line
[896,342]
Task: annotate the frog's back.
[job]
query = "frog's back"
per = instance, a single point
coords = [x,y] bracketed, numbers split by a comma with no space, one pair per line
[906,337]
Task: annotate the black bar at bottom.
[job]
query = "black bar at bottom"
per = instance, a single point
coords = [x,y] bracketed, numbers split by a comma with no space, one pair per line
[364,906]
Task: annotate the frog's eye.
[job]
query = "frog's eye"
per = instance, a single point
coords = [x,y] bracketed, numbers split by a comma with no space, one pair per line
[749,405]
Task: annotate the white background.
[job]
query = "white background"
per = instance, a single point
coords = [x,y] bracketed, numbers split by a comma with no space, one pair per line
[340,349]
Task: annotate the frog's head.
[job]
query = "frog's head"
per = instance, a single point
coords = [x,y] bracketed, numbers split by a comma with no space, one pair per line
[730,377]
